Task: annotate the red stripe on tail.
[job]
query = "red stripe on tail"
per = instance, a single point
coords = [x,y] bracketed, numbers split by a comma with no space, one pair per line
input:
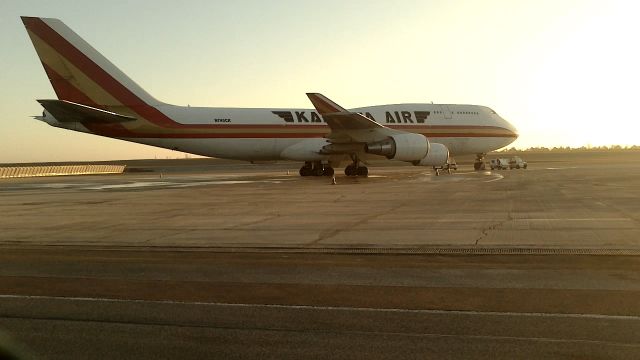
[97,74]
[64,90]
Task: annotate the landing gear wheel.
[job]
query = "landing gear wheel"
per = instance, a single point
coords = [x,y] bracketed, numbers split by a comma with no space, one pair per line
[362,171]
[306,170]
[479,163]
[328,171]
[318,169]
[351,170]
[355,169]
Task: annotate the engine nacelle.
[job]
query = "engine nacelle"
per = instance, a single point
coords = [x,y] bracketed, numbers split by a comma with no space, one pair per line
[404,147]
[438,156]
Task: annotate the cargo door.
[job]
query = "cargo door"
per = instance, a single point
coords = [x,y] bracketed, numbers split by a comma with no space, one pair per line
[446,111]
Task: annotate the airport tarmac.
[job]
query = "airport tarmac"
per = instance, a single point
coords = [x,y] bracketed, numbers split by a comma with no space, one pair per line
[230,260]
[574,204]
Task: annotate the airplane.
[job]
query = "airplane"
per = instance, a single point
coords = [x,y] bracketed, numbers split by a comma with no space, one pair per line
[95,97]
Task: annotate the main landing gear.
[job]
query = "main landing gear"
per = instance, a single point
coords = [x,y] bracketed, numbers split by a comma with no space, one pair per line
[479,163]
[355,169]
[316,168]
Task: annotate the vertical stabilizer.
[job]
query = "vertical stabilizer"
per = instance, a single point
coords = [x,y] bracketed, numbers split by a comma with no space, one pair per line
[78,72]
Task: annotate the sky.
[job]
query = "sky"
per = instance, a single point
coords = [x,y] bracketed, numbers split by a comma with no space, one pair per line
[564,72]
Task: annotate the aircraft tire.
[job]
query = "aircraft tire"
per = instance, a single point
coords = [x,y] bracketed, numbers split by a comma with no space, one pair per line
[362,171]
[350,170]
[306,170]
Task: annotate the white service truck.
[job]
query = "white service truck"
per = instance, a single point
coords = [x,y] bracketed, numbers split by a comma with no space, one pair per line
[499,164]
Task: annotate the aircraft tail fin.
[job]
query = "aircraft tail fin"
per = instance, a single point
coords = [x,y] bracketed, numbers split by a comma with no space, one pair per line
[78,72]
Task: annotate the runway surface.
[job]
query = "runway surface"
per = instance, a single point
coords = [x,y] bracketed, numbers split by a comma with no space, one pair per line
[165,304]
[225,260]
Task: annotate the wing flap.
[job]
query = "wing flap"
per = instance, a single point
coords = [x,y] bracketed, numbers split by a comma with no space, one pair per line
[67,111]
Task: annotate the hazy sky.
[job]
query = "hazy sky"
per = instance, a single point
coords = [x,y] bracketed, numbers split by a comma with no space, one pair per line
[563,72]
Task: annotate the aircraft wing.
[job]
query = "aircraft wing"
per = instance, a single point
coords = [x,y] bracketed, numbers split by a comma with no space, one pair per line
[346,126]
[67,111]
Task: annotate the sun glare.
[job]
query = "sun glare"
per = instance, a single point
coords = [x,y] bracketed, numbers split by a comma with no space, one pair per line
[580,90]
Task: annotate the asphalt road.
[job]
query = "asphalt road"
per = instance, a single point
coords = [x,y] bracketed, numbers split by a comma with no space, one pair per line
[64,303]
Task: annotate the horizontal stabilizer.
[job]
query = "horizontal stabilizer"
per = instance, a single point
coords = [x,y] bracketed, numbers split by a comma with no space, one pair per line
[67,111]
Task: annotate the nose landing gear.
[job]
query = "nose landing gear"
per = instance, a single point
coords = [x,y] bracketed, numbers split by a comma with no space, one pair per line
[479,163]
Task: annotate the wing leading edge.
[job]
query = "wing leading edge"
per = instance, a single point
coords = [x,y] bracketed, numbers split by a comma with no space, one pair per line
[337,117]
[347,126]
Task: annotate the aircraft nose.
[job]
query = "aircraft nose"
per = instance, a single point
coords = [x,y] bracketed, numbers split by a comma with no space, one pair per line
[511,129]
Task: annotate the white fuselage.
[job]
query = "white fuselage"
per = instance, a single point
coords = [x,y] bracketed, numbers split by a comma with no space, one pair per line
[255,134]
[96,97]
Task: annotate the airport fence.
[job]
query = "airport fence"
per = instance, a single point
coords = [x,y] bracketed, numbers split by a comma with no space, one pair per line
[59,170]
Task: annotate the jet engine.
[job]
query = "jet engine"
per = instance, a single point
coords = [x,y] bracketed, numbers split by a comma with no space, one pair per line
[404,147]
[437,156]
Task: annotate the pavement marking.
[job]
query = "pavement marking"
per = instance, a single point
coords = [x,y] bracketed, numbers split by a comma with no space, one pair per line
[497,177]
[136,184]
[478,219]
[574,219]
[175,181]
[337,308]
[399,250]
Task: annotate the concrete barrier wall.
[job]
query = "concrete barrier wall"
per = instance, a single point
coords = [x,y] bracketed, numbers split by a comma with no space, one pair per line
[58,170]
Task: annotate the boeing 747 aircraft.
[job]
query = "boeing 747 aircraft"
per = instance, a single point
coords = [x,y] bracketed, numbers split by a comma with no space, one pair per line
[95,97]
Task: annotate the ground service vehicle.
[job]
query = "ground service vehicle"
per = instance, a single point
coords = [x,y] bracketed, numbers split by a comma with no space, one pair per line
[499,164]
[450,165]
[517,162]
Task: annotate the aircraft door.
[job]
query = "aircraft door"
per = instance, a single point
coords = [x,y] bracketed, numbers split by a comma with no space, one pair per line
[446,111]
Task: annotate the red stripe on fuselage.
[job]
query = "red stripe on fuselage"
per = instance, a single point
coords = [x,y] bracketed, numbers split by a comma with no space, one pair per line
[117,130]
[71,93]
[67,91]
[293,135]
